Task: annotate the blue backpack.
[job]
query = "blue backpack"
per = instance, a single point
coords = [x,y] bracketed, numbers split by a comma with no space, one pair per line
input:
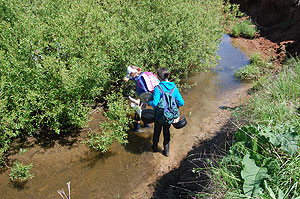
[166,110]
[141,86]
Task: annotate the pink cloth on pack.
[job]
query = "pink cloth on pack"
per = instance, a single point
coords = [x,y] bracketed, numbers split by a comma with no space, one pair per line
[151,80]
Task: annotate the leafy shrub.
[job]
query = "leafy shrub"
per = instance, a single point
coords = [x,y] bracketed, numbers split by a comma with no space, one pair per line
[249,72]
[57,57]
[116,126]
[20,172]
[232,13]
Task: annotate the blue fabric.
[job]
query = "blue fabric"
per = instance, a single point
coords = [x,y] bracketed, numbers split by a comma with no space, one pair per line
[140,84]
[167,87]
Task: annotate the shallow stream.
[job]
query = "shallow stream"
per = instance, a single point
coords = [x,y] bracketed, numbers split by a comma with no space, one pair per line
[123,168]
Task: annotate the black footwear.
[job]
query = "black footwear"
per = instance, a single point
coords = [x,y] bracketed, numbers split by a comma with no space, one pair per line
[166,150]
[154,148]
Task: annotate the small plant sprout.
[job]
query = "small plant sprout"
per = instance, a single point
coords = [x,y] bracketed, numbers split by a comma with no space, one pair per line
[63,194]
[20,172]
[22,151]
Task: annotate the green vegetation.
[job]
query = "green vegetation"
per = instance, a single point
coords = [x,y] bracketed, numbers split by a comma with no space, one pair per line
[245,28]
[20,172]
[58,57]
[116,125]
[264,160]
[257,68]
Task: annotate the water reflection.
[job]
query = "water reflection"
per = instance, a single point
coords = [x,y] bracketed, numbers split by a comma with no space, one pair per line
[232,58]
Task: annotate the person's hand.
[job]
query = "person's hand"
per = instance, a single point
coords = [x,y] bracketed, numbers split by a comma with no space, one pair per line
[126,79]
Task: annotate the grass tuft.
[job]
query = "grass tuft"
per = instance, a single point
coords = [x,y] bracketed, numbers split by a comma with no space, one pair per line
[246,29]
[255,70]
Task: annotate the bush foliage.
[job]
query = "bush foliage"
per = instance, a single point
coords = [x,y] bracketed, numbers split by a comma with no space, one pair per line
[59,56]
[20,172]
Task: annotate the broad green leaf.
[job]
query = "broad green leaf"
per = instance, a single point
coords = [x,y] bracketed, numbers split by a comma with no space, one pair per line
[244,133]
[268,133]
[252,176]
[289,143]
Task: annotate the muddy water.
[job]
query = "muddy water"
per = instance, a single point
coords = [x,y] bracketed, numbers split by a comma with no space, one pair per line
[123,168]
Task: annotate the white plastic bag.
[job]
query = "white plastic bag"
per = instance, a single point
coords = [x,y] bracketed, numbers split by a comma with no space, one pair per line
[135,105]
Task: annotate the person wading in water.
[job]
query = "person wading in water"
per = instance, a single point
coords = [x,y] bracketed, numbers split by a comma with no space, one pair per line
[163,75]
[145,82]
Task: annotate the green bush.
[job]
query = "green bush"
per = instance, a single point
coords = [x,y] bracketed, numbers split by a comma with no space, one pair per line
[116,125]
[20,172]
[58,56]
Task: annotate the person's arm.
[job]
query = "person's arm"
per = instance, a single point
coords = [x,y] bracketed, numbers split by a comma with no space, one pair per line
[178,97]
[156,97]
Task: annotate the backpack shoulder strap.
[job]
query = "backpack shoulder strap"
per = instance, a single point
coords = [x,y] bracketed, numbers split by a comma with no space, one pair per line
[138,79]
[160,89]
[171,92]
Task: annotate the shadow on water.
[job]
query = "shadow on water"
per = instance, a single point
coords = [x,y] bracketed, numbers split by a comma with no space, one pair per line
[47,139]
[20,186]
[92,159]
[183,182]
[138,143]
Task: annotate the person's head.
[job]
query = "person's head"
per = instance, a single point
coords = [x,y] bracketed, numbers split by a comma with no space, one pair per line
[163,74]
[132,71]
